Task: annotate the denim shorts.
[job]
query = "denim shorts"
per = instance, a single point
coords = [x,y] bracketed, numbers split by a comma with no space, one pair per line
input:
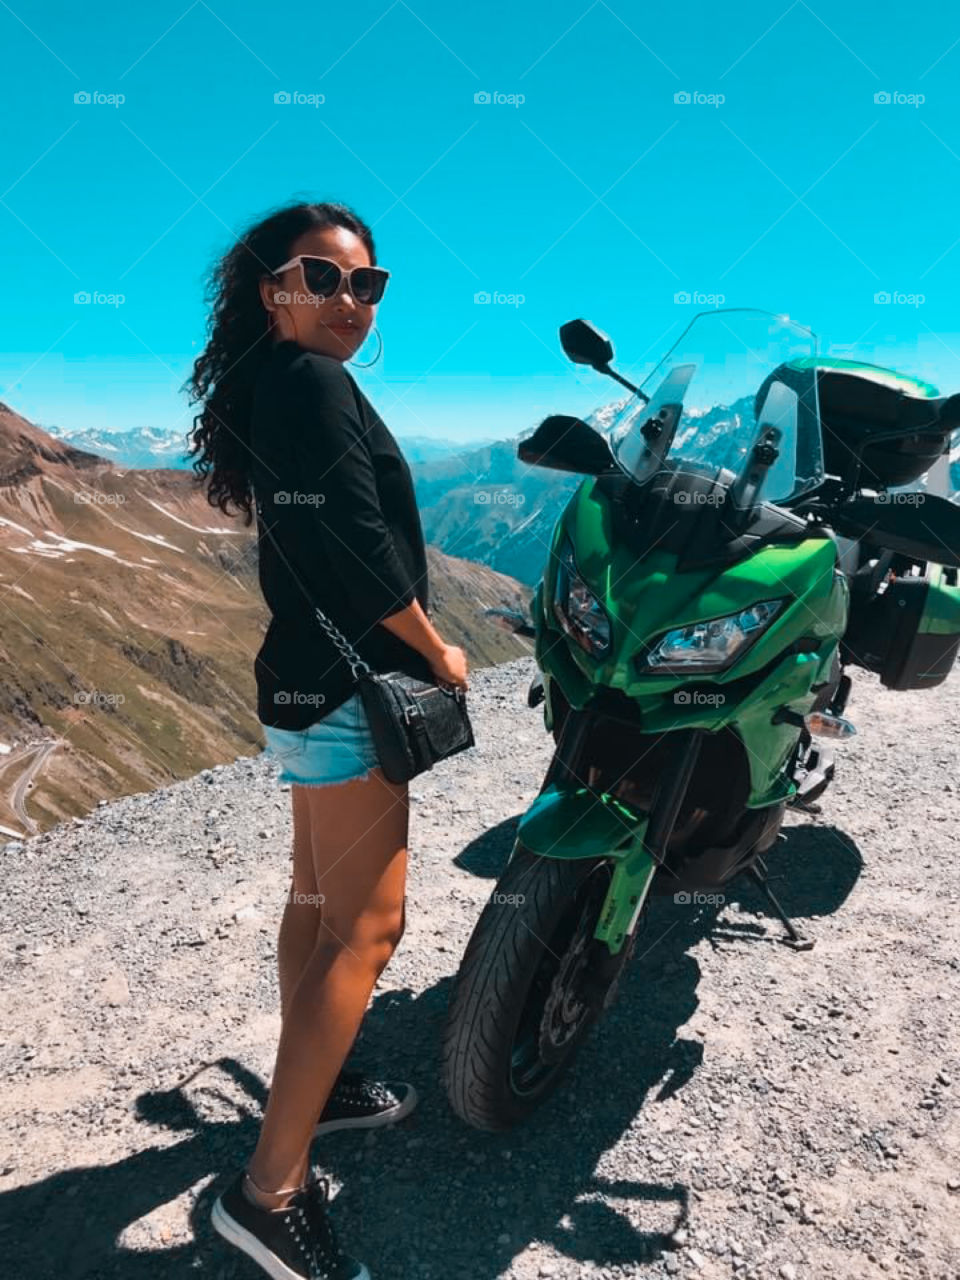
[337,748]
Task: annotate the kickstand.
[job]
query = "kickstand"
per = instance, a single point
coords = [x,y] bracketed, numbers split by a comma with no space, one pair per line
[758,874]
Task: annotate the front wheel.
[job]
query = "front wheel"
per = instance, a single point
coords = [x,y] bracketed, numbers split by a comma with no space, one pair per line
[531,984]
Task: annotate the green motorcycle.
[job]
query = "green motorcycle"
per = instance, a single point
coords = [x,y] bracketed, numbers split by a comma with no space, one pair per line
[742,536]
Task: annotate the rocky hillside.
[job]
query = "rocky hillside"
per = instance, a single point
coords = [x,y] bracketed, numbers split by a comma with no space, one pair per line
[130,615]
[744,1110]
[488,506]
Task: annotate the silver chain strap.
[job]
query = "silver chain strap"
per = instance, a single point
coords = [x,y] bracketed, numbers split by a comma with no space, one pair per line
[343,645]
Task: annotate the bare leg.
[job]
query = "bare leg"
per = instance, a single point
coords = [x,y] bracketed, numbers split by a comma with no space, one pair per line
[301,918]
[359,847]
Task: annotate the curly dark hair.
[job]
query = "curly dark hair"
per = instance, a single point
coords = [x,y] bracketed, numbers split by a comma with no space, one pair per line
[225,373]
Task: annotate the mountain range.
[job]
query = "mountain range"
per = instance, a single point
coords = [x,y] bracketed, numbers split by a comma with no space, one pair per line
[148,447]
[131,615]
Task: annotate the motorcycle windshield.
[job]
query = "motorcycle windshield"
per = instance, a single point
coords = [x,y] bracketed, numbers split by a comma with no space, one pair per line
[712,394]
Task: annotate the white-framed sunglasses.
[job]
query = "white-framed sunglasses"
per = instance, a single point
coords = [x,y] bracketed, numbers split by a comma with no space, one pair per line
[322,277]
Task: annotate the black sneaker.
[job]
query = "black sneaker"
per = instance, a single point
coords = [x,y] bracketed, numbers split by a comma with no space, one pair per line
[357,1102]
[296,1242]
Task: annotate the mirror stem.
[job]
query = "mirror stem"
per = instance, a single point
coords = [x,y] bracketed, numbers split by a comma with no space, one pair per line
[612,373]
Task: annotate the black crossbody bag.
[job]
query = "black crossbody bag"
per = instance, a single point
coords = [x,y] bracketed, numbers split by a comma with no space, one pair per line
[414,722]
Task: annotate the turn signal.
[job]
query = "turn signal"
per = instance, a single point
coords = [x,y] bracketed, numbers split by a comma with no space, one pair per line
[823,725]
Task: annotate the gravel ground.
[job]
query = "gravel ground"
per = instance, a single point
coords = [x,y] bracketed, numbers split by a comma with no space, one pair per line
[744,1110]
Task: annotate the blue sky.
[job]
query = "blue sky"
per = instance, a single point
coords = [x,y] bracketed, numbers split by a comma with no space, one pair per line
[584,186]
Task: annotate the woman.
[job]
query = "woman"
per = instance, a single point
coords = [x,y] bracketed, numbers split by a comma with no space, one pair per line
[284,424]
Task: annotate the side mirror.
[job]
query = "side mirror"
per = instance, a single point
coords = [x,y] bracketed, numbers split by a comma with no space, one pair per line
[563,443]
[583,344]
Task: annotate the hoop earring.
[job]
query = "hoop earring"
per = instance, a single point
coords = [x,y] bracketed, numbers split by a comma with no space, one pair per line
[372,362]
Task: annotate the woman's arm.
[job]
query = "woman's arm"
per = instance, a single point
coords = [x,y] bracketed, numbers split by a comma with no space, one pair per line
[449,662]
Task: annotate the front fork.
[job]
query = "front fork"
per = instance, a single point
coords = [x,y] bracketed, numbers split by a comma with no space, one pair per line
[636,841]
[635,871]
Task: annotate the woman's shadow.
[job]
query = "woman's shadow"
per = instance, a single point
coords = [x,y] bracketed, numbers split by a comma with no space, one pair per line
[431,1196]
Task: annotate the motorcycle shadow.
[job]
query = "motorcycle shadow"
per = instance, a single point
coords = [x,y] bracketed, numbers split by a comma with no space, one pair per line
[817,866]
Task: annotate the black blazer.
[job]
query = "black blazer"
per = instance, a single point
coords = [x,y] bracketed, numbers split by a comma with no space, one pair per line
[337,494]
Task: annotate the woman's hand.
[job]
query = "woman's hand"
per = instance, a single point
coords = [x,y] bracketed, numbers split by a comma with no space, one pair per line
[447,662]
[450,666]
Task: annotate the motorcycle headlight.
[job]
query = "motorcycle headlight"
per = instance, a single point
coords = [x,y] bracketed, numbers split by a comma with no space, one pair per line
[713,645]
[576,608]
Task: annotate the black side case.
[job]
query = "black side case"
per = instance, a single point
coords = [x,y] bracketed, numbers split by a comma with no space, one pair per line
[884,633]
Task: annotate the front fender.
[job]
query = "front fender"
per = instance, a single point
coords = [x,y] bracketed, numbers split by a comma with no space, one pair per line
[574,822]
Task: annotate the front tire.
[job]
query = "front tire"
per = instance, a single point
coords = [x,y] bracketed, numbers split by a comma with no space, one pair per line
[523,1001]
